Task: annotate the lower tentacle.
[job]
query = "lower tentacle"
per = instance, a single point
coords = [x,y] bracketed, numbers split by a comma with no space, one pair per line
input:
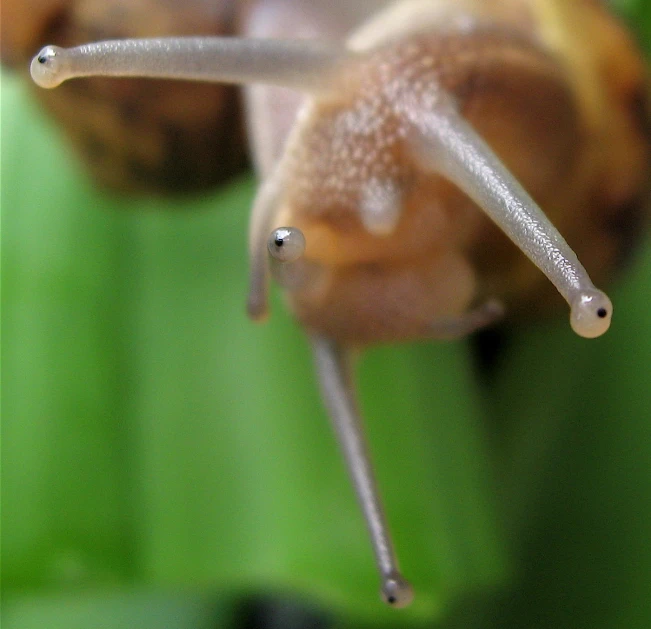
[334,371]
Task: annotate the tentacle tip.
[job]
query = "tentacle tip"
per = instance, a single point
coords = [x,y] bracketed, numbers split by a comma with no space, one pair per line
[286,244]
[397,591]
[257,309]
[591,313]
[46,68]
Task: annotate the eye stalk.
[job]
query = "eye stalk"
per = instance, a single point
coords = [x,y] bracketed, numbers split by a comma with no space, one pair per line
[47,68]
[591,314]
[302,65]
[286,244]
[397,591]
[444,142]
[285,250]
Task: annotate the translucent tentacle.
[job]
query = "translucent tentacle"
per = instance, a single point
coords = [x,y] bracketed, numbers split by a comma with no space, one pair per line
[444,142]
[334,371]
[299,64]
[263,212]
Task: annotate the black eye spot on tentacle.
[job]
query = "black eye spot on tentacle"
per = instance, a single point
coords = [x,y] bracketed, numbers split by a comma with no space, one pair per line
[286,244]
[591,313]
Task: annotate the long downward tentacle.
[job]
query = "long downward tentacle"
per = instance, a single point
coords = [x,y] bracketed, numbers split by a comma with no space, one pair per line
[334,372]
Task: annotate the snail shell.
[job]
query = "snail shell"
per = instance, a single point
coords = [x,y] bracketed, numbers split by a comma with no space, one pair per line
[159,137]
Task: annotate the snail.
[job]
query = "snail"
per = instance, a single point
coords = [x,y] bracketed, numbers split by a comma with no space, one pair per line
[398,145]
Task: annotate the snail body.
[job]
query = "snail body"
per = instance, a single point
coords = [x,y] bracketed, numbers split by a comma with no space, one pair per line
[402,154]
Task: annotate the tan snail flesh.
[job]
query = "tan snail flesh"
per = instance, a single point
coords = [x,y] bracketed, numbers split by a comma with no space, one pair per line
[367,215]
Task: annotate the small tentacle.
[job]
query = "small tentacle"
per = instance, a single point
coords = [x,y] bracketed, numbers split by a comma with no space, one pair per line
[262,214]
[298,64]
[334,371]
[442,141]
[483,316]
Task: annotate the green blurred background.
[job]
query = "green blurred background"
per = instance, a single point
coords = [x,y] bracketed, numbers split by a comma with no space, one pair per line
[164,460]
